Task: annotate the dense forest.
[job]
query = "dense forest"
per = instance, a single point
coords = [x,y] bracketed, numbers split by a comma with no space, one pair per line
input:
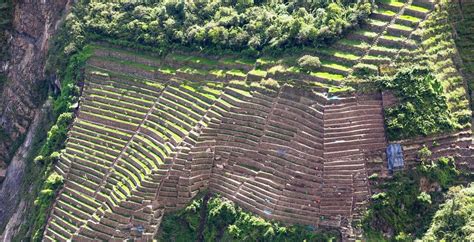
[239,25]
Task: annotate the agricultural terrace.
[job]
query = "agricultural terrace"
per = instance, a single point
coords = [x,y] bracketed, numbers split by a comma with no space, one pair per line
[151,132]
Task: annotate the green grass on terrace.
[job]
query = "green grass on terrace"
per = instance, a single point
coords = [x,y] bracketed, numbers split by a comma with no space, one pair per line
[112,74]
[366,33]
[209,90]
[193,59]
[218,73]
[266,60]
[340,54]
[384,12]
[167,70]
[371,57]
[354,43]
[242,61]
[396,3]
[418,8]
[127,63]
[236,72]
[293,69]
[394,38]
[329,76]
[132,53]
[410,18]
[335,65]
[193,71]
[386,49]
[257,72]
[401,27]
[241,91]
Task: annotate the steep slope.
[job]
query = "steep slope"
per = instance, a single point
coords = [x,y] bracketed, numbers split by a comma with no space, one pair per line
[461,16]
[151,132]
[156,153]
[33,24]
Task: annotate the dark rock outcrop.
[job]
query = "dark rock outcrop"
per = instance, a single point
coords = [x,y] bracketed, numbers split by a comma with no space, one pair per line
[34,23]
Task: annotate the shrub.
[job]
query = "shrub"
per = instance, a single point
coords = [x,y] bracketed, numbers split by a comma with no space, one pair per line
[56,137]
[455,220]
[270,83]
[401,210]
[39,159]
[225,221]
[44,201]
[423,109]
[309,63]
[424,198]
[374,176]
[365,70]
[424,153]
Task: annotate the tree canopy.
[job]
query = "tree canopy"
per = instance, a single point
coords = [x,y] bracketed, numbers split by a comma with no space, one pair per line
[233,25]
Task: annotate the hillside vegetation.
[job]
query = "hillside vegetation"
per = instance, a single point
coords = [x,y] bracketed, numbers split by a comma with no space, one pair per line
[237,25]
[213,218]
[278,107]
[454,221]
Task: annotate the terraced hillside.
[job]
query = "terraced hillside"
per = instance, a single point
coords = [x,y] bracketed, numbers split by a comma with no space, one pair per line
[461,14]
[152,132]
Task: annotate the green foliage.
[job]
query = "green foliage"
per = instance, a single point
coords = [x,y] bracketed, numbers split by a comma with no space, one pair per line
[424,153]
[224,221]
[455,220]
[57,134]
[423,109]
[73,72]
[73,62]
[424,198]
[442,171]
[364,70]
[404,209]
[243,25]
[374,176]
[309,63]
[43,202]
[270,83]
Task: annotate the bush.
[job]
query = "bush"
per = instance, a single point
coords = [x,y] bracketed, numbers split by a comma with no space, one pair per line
[225,221]
[58,134]
[309,63]
[365,70]
[424,198]
[423,109]
[402,210]
[270,83]
[374,176]
[455,220]
[44,201]
[424,153]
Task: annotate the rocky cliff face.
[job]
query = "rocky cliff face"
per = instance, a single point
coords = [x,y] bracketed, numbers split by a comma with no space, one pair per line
[34,23]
